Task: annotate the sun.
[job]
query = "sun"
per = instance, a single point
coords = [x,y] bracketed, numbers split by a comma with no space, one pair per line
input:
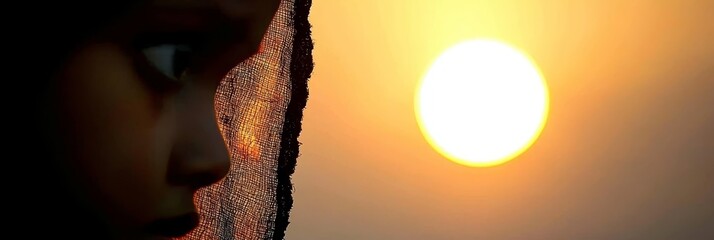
[482,103]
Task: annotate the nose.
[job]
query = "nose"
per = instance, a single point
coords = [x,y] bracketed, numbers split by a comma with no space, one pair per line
[199,156]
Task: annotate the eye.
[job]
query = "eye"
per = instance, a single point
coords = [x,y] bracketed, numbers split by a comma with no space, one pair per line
[169,59]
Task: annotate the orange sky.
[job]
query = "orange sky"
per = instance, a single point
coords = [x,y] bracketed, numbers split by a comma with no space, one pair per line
[627,153]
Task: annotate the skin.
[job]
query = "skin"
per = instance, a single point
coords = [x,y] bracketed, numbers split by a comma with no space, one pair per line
[138,142]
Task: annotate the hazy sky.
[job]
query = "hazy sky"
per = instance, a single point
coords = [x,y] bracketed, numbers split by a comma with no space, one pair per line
[627,152]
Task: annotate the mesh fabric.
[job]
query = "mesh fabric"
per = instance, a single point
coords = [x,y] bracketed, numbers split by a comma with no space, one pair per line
[259,108]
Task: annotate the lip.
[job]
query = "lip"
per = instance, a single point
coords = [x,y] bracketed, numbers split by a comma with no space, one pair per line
[175,226]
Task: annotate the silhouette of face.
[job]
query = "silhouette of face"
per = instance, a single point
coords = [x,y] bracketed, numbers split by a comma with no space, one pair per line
[136,110]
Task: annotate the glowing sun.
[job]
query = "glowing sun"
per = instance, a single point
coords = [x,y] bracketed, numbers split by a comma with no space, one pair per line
[482,103]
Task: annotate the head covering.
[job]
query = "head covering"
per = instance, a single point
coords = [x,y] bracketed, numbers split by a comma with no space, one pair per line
[259,109]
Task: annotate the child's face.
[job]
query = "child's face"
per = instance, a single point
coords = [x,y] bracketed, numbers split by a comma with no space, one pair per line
[136,106]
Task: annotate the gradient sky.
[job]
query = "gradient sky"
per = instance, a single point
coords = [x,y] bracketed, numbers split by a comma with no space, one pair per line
[627,153]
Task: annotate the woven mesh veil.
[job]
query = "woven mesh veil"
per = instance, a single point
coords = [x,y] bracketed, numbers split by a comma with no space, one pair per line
[259,108]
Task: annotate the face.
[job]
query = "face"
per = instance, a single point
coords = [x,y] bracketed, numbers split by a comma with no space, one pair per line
[136,110]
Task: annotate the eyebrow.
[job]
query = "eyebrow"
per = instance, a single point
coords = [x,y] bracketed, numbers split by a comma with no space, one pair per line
[169,18]
[181,3]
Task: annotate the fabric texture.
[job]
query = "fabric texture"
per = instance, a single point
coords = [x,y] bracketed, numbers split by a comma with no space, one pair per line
[259,109]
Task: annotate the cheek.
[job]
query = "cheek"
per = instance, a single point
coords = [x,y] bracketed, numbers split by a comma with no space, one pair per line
[118,152]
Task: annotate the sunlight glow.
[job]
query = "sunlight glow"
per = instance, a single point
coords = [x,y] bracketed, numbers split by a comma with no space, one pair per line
[482,103]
